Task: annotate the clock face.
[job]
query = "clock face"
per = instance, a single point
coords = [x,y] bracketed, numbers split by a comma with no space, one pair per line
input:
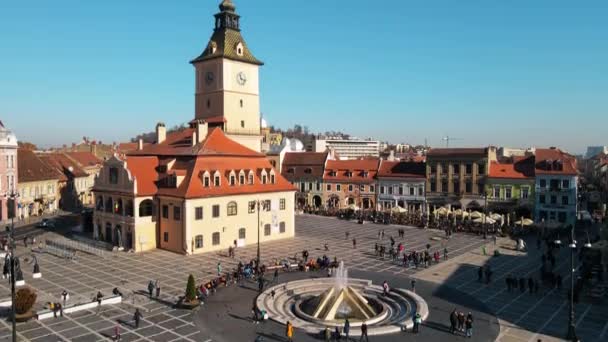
[241,78]
[209,78]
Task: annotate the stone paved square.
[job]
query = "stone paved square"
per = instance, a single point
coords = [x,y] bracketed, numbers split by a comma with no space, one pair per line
[523,316]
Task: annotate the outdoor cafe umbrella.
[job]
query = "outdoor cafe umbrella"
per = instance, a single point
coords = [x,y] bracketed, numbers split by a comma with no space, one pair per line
[398,210]
[487,220]
[476,214]
[524,222]
[496,217]
[353,207]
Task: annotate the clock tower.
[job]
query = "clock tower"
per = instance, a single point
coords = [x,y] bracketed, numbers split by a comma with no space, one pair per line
[227,81]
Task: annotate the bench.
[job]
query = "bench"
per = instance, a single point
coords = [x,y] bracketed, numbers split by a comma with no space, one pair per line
[46,313]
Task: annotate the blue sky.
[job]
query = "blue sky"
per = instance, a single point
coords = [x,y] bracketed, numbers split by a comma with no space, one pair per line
[514,73]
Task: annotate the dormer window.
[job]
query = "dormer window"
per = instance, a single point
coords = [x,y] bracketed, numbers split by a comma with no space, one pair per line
[250,178]
[349,174]
[216,179]
[242,178]
[308,170]
[332,173]
[365,174]
[239,49]
[272,179]
[291,170]
[212,47]
[232,180]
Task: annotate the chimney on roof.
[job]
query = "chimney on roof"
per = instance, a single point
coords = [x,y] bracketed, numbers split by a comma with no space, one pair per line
[94,149]
[201,130]
[140,144]
[161,133]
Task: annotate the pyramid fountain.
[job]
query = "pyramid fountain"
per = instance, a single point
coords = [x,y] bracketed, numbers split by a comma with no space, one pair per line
[315,304]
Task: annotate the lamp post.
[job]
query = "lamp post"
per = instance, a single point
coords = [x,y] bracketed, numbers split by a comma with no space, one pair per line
[571,336]
[485,215]
[11,243]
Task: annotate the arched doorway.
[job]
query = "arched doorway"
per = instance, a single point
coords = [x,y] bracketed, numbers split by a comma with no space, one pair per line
[301,202]
[333,202]
[316,200]
[350,201]
[118,237]
[108,234]
[129,244]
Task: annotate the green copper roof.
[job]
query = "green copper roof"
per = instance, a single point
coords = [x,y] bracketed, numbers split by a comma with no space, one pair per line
[225,42]
[226,38]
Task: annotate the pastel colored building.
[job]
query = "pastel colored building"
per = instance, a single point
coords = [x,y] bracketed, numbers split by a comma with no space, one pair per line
[511,187]
[8,170]
[305,171]
[38,185]
[350,183]
[191,195]
[556,187]
[401,184]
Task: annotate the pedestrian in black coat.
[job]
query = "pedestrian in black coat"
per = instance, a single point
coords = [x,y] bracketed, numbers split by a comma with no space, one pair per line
[453,321]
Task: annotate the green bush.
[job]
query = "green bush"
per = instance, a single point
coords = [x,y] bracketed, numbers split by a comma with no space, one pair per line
[191,289]
[24,300]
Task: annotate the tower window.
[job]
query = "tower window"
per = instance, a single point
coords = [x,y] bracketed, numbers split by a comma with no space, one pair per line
[208,103]
[242,123]
[241,103]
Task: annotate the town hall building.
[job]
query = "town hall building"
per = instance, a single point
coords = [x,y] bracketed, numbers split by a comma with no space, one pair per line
[207,187]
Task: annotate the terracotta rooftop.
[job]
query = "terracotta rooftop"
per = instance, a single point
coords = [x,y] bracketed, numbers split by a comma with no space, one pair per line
[297,165]
[555,161]
[523,168]
[143,169]
[440,152]
[64,164]
[180,144]
[361,171]
[86,159]
[31,169]
[402,169]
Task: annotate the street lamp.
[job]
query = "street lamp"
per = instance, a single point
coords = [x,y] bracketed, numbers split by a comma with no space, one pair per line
[571,334]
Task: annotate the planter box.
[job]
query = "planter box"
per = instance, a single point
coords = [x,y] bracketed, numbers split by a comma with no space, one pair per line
[190,305]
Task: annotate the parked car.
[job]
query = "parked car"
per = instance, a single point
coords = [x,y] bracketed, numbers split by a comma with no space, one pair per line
[46,223]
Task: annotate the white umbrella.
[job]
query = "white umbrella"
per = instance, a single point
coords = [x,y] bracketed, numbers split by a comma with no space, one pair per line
[496,217]
[398,210]
[476,214]
[524,222]
[487,220]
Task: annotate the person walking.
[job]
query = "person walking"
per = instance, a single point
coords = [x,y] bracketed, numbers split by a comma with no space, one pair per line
[364,333]
[461,321]
[327,334]
[417,322]
[117,332]
[275,277]
[413,284]
[469,325]
[157,286]
[445,253]
[453,321]
[354,243]
[219,269]
[346,234]
[385,288]
[137,316]
[346,329]
[289,331]
[150,288]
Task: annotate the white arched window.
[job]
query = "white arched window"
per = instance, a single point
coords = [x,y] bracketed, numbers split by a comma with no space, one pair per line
[272,177]
[250,178]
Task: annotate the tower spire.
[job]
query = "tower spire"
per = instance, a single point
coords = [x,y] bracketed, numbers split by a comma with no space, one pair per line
[227,18]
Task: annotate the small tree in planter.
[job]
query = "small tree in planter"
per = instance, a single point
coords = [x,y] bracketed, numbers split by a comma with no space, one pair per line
[25,299]
[190,300]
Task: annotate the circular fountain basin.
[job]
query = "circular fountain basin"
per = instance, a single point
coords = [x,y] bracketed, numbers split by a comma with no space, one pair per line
[293,302]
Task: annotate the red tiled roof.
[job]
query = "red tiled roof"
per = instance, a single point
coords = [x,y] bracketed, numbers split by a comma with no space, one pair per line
[440,152]
[356,167]
[143,169]
[303,164]
[64,164]
[402,169]
[523,168]
[193,187]
[554,161]
[212,119]
[85,159]
[31,169]
[180,144]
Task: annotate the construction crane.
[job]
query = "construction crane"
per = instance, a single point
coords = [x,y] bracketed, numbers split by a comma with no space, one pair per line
[447,140]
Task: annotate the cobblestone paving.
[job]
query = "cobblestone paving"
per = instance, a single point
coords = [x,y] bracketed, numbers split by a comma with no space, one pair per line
[131,273]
